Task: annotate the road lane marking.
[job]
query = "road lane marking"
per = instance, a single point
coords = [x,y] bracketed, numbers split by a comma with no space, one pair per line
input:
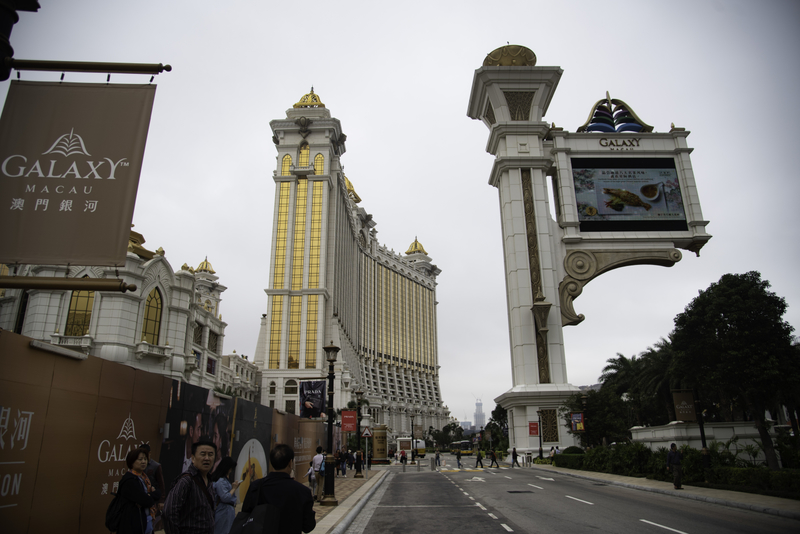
[508,477]
[535,486]
[506,527]
[479,505]
[661,526]
[472,498]
[492,515]
[465,493]
[579,500]
[545,478]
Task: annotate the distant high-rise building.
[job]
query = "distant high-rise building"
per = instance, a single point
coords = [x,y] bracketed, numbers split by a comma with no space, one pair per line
[466,425]
[480,417]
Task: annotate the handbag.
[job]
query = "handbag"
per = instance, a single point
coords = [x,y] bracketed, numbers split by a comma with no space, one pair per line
[264,518]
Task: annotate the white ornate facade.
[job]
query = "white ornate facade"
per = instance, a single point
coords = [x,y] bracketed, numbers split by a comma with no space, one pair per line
[330,280]
[171,324]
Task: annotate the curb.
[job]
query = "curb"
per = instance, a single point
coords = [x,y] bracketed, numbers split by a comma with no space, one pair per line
[731,504]
[345,523]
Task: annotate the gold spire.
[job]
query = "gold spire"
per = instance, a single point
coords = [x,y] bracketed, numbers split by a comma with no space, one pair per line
[205,266]
[510,56]
[310,100]
[415,247]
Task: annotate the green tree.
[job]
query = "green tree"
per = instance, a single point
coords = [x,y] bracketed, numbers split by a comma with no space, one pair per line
[604,415]
[732,338]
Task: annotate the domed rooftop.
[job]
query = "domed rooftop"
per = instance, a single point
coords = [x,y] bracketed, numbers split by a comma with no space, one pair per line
[416,247]
[510,56]
[310,100]
[205,267]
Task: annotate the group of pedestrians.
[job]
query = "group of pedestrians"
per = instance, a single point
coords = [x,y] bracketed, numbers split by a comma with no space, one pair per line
[204,502]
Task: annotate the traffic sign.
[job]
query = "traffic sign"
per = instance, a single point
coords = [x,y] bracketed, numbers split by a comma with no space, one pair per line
[366,433]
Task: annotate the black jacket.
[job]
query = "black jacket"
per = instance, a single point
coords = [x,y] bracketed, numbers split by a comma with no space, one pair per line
[137,504]
[293,499]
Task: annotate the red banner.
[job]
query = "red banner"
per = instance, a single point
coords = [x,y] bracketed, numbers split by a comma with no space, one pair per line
[349,421]
[533,429]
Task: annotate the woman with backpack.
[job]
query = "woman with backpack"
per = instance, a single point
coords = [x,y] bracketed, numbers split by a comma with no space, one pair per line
[137,496]
[225,495]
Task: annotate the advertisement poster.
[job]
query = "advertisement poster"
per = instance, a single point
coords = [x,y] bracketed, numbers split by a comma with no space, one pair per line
[533,429]
[312,398]
[194,413]
[578,422]
[684,405]
[636,193]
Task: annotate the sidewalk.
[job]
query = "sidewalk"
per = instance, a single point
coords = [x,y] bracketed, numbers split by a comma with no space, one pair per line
[735,499]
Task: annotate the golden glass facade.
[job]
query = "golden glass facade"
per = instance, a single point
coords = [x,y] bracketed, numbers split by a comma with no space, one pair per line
[311,331]
[275,332]
[319,164]
[280,236]
[293,342]
[298,248]
[286,165]
[302,161]
[151,325]
[80,313]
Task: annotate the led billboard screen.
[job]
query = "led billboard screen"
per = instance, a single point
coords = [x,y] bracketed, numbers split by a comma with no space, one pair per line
[628,194]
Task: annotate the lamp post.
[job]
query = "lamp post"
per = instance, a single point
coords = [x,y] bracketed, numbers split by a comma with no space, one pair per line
[584,402]
[329,498]
[359,395]
[539,413]
[412,439]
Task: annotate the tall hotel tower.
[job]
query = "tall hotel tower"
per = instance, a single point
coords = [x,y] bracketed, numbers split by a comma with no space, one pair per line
[330,280]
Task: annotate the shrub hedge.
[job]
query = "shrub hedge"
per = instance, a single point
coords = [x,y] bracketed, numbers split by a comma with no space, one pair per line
[636,459]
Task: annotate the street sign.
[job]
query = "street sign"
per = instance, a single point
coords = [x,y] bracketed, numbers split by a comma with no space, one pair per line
[366,433]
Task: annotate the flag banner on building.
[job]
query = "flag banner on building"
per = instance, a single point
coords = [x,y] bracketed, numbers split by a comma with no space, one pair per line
[684,405]
[312,398]
[578,422]
[349,421]
[70,159]
[533,428]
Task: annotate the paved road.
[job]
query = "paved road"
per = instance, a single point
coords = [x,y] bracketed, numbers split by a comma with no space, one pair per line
[523,500]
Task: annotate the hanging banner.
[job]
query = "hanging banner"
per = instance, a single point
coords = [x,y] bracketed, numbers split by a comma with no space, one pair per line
[349,421]
[312,398]
[578,422]
[70,159]
[533,429]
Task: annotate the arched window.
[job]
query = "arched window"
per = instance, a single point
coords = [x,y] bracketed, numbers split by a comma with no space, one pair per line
[319,164]
[272,388]
[80,313]
[151,325]
[285,164]
[290,388]
[304,156]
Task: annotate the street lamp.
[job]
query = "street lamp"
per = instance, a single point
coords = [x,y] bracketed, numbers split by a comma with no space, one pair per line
[329,498]
[359,395]
[413,448]
[539,413]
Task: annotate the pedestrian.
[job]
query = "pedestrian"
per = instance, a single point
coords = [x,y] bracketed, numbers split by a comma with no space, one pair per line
[156,476]
[552,454]
[674,464]
[514,458]
[189,508]
[403,457]
[319,475]
[438,462]
[359,463]
[493,458]
[336,461]
[558,451]
[458,458]
[293,500]
[343,457]
[138,495]
[225,493]
[312,480]
[369,461]
[350,459]
[479,459]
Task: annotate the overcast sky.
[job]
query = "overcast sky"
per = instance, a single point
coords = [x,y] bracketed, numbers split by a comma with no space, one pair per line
[399,79]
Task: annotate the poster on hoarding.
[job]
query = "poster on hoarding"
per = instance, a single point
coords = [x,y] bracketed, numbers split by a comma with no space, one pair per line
[617,194]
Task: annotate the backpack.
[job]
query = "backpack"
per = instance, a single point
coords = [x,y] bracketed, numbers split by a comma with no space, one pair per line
[114,513]
[322,467]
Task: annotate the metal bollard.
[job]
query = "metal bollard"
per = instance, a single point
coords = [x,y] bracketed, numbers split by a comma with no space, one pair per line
[404,466]
[418,462]
[433,464]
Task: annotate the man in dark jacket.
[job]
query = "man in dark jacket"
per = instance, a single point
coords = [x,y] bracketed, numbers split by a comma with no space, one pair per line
[190,505]
[674,465]
[293,500]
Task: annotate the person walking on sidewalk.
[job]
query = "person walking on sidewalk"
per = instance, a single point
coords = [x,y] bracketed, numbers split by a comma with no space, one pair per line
[479,459]
[319,474]
[438,462]
[458,458]
[514,458]
[493,458]
[674,464]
